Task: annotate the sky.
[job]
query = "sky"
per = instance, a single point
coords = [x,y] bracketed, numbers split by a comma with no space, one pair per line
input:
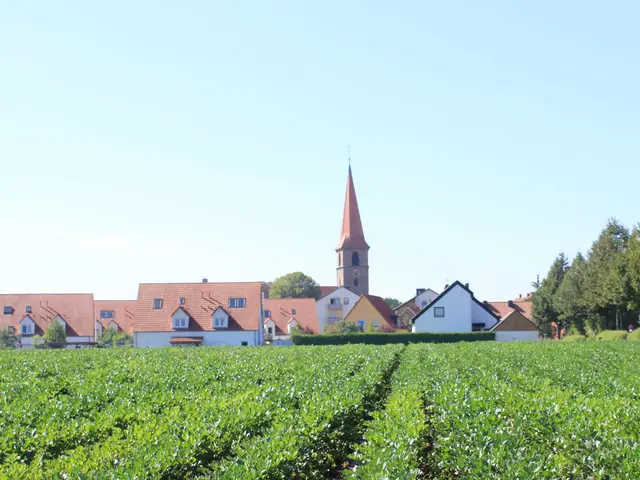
[156,141]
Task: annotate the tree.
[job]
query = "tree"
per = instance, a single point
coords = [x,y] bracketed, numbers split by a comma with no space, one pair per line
[393,302]
[633,270]
[569,300]
[7,339]
[342,327]
[55,334]
[294,285]
[112,338]
[544,311]
[536,283]
[298,330]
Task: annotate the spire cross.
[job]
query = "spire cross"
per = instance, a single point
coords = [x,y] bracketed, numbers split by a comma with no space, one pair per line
[349,154]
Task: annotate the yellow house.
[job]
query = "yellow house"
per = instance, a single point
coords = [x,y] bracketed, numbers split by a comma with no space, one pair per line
[371,311]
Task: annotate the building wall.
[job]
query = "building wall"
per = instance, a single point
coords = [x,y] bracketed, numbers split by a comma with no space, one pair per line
[365,311]
[27,341]
[480,315]
[426,296]
[457,314]
[322,309]
[345,270]
[163,339]
[511,336]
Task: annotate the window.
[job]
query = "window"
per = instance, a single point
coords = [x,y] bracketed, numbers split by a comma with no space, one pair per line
[27,309]
[106,313]
[346,300]
[424,303]
[267,314]
[293,311]
[7,310]
[355,259]
[270,330]
[355,282]
[244,344]
[181,300]
[157,303]
[477,327]
[376,324]
[11,329]
[180,322]
[237,302]
[361,324]
[26,329]
[335,301]
[438,312]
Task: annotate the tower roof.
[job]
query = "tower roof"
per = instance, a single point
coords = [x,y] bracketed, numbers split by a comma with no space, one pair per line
[352,235]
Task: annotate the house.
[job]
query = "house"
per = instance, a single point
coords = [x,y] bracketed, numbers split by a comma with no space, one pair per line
[281,315]
[198,314]
[406,311]
[117,314]
[521,304]
[32,314]
[372,311]
[515,326]
[334,306]
[456,309]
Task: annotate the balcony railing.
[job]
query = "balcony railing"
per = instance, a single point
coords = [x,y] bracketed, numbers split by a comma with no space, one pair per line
[334,306]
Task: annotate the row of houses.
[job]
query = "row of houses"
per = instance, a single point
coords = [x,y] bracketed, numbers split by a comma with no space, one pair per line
[240,313]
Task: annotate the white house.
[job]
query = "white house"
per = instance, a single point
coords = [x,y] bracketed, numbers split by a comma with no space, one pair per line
[32,314]
[334,306]
[515,326]
[198,314]
[454,310]
[281,315]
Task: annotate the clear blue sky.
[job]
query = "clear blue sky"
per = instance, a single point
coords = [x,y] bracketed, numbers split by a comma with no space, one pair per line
[167,141]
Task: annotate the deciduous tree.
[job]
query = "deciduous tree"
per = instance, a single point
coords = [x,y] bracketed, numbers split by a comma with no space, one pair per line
[294,285]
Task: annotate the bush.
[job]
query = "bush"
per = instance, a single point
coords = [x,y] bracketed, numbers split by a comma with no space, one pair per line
[386,338]
[635,335]
[575,338]
[342,327]
[112,338]
[7,339]
[55,335]
[612,335]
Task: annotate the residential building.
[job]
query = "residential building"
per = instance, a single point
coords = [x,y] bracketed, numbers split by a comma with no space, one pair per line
[521,304]
[352,249]
[406,311]
[198,314]
[456,309]
[515,326]
[117,314]
[281,315]
[334,306]
[372,311]
[32,314]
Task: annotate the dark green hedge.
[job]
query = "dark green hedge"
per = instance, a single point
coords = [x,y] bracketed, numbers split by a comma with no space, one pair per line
[385,338]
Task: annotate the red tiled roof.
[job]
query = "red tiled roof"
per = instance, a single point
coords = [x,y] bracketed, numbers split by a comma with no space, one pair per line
[281,310]
[324,291]
[123,313]
[352,235]
[200,301]
[75,309]
[502,308]
[515,321]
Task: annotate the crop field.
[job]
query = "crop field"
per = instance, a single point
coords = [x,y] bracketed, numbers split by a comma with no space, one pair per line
[449,411]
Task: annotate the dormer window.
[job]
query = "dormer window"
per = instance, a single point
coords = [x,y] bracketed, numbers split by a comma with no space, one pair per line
[26,329]
[180,323]
[181,300]
[157,303]
[267,314]
[235,302]
[106,313]
[27,309]
[220,319]
[293,311]
[7,310]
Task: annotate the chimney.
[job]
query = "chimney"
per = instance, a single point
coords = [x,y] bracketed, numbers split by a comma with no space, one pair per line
[204,280]
[446,286]
[519,295]
[510,303]
[420,291]
[466,286]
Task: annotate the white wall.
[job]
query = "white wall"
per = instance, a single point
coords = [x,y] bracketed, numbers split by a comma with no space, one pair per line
[27,341]
[163,339]
[322,311]
[508,336]
[427,296]
[480,315]
[457,314]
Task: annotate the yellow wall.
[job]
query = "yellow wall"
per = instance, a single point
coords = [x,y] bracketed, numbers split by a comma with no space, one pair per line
[364,310]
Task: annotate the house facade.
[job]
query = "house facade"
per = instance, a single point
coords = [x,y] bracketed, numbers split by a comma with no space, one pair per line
[515,326]
[409,309]
[116,314]
[455,310]
[334,306]
[198,314]
[371,311]
[282,315]
[32,314]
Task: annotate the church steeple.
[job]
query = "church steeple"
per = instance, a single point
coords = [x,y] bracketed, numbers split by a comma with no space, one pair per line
[353,263]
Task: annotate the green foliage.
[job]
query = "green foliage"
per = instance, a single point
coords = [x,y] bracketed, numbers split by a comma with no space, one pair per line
[634,336]
[393,302]
[568,300]
[613,335]
[574,338]
[294,285]
[8,340]
[299,330]
[113,338]
[342,327]
[55,334]
[392,338]
[544,311]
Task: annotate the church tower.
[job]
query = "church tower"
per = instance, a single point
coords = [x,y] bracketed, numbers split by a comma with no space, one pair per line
[353,250]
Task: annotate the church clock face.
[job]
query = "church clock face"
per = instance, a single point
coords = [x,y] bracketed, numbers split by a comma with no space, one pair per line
[356,272]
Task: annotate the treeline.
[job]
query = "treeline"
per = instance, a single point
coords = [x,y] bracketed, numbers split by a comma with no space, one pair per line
[597,291]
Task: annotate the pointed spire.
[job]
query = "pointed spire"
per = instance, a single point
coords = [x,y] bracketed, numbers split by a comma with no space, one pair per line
[352,235]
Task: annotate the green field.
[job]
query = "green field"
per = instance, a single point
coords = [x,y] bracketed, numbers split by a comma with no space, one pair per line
[467,410]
